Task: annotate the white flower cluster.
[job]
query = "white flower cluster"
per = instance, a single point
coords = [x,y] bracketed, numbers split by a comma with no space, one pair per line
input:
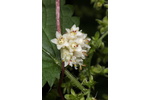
[73,45]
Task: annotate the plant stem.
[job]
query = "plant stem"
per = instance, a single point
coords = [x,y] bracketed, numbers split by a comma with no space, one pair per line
[75,81]
[60,82]
[59,30]
[58,16]
[88,95]
[104,35]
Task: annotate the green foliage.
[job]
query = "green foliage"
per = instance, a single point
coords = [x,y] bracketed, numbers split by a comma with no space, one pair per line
[103,24]
[51,95]
[99,70]
[50,62]
[67,86]
[50,54]
[99,3]
[96,41]
[74,96]
[79,96]
[75,81]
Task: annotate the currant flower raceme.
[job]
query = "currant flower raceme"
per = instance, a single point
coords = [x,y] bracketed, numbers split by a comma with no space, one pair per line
[73,46]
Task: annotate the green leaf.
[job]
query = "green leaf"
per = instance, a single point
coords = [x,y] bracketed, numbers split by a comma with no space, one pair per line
[106,70]
[72,92]
[51,95]
[50,54]
[89,98]
[50,61]
[96,35]
[82,98]
[67,96]
[50,70]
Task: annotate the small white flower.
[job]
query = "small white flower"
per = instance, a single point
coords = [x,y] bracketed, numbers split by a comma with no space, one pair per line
[73,32]
[60,40]
[86,42]
[80,54]
[73,29]
[77,61]
[81,39]
[73,46]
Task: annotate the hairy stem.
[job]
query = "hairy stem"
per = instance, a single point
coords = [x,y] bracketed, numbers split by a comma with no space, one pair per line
[58,16]
[75,81]
[59,30]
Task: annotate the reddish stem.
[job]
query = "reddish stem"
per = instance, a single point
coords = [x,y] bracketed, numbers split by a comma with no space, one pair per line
[60,82]
[59,30]
[58,16]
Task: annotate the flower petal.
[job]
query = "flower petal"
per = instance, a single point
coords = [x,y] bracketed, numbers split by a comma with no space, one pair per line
[74,28]
[78,54]
[73,58]
[68,30]
[54,40]
[79,33]
[70,63]
[58,34]
[59,46]
[78,48]
[84,36]
[88,39]
[75,68]
[66,63]
[79,41]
